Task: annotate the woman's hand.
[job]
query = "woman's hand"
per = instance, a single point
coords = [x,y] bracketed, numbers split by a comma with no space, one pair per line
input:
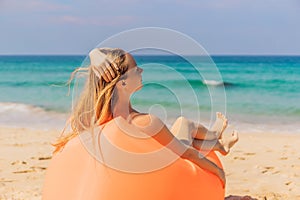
[103,67]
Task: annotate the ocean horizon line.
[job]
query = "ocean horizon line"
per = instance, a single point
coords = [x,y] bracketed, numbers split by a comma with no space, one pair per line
[213,55]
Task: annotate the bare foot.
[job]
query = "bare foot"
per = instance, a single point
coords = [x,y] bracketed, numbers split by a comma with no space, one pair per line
[219,126]
[227,142]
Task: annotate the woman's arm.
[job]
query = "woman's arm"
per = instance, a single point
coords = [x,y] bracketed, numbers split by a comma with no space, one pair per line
[197,158]
[154,127]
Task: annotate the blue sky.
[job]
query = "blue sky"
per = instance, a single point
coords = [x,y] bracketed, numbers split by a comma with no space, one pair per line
[220,26]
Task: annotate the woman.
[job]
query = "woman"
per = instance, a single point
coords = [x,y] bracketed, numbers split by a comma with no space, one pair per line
[113,76]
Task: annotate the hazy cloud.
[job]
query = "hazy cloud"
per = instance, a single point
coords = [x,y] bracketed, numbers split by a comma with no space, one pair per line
[96,20]
[14,6]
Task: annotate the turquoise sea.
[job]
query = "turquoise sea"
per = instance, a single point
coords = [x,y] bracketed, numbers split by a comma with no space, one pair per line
[255,92]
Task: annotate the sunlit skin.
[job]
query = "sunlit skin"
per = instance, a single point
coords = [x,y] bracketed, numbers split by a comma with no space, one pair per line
[154,127]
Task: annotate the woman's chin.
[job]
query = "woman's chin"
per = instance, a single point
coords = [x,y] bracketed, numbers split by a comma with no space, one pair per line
[139,87]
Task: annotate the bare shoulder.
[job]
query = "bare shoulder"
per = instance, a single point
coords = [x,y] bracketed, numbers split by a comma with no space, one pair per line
[148,123]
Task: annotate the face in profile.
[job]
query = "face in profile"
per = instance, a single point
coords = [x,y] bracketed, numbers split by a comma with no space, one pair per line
[133,76]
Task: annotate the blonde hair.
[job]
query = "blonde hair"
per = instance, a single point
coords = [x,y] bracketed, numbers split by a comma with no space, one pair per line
[96,100]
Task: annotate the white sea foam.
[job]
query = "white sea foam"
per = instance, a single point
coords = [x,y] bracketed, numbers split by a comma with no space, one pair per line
[262,128]
[28,116]
[247,124]
[212,82]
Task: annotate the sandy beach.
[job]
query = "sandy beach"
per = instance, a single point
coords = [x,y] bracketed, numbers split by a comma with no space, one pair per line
[25,154]
[263,166]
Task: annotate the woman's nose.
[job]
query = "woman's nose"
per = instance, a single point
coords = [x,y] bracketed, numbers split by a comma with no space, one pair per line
[140,69]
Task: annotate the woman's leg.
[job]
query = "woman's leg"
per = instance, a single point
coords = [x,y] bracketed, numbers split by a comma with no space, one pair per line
[215,132]
[183,130]
[222,145]
[186,130]
[182,126]
[209,145]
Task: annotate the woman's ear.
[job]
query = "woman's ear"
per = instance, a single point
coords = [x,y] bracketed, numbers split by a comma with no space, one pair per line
[119,84]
